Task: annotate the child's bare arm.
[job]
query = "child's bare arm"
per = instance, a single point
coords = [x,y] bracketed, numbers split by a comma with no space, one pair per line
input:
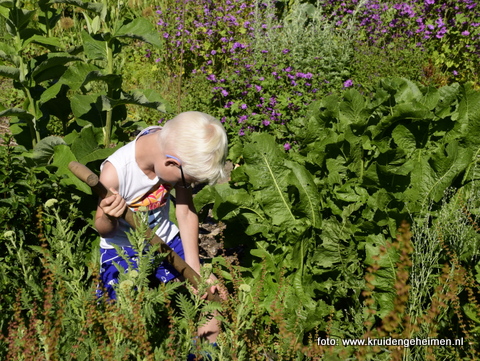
[188,224]
[110,208]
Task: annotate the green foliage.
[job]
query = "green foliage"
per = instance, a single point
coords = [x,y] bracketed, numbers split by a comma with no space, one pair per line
[58,80]
[397,59]
[323,214]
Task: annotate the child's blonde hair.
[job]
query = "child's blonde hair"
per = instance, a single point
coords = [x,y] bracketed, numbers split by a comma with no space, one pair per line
[200,141]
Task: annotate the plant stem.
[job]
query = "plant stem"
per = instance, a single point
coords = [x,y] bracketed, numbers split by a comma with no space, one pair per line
[108,124]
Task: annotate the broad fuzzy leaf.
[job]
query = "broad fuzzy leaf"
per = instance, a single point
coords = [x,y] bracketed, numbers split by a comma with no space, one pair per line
[88,109]
[8,52]
[94,49]
[61,159]
[141,29]
[10,72]
[51,66]
[86,146]
[17,112]
[42,40]
[43,152]
[18,19]
[90,6]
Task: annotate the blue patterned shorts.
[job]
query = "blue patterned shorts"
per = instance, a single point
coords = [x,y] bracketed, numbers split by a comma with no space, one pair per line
[109,272]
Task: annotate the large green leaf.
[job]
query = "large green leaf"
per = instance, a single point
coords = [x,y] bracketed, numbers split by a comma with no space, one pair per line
[76,76]
[270,179]
[404,139]
[8,52]
[86,145]
[61,159]
[10,72]
[42,40]
[18,19]
[469,116]
[88,109]
[94,49]
[17,112]
[430,177]
[308,201]
[44,150]
[353,109]
[51,66]
[331,244]
[384,258]
[90,6]
[149,99]
[142,29]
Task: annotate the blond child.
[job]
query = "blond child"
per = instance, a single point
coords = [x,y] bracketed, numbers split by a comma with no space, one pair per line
[190,148]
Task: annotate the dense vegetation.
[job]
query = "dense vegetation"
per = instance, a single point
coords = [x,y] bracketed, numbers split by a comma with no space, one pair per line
[353,132]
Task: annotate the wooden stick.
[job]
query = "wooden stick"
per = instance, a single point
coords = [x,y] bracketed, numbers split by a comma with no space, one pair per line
[86,175]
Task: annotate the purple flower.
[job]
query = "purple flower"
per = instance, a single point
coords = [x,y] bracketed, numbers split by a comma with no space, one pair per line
[243,106]
[242,118]
[348,83]
[466,33]
[224,92]
[285,51]
[287,146]
[266,123]
[258,88]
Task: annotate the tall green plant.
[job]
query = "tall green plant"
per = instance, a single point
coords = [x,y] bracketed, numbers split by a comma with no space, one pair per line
[85,81]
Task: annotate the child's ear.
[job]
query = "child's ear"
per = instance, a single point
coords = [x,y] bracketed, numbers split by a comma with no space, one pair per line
[171,162]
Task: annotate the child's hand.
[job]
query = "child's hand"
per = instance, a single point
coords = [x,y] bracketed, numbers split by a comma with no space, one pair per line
[216,288]
[114,205]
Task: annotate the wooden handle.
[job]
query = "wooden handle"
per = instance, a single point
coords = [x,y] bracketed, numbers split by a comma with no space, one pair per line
[86,175]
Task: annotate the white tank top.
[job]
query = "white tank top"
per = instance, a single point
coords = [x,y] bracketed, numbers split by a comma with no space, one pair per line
[140,191]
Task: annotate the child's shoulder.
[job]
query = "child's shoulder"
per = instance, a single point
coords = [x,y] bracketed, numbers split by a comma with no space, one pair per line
[149,130]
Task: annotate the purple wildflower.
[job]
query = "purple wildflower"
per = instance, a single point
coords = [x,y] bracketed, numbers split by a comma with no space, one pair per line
[348,83]
[287,146]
